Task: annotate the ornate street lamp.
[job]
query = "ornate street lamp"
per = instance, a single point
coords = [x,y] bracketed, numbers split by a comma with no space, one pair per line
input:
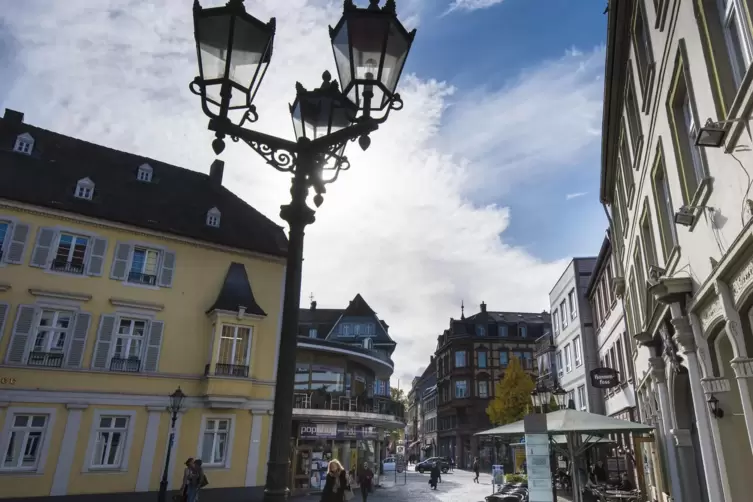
[234,50]
[535,399]
[175,407]
[370,47]
[560,396]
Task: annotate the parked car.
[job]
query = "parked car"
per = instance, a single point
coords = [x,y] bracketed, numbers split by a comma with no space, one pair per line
[427,464]
[390,464]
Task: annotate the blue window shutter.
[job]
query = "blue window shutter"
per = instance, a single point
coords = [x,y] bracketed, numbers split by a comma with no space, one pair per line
[77,344]
[97,257]
[21,333]
[101,356]
[14,252]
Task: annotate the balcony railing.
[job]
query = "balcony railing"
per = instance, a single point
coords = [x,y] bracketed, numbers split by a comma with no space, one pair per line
[139,278]
[339,402]
[544,343]
[236,370]
[68,267]
[127,365]
[46,359]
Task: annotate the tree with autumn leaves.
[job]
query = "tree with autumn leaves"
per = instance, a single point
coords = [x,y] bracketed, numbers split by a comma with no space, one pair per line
[512,395]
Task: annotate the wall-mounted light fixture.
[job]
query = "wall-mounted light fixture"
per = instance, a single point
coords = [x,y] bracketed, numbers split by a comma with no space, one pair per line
[714,408]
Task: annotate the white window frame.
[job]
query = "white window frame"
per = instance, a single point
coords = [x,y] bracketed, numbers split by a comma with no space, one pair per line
[24,144]
[522,331]
[75,235]
[745,46]
[465,358]
[214,217]
[455,389]
[230,440]
[556,323]
[558,363]
[485,383]
[160,256]
[572,304]
[235,343]
[582,398]
[313,333]
[568,359]
[145,173]
[577,352]
[98,414]
[116,334]
[480,330]
[44,448]
[691,130]
[55,331]
[84,189]
[563,309]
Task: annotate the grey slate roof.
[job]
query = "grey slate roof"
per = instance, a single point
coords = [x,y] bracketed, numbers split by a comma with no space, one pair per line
[176,201]
[236,292]
[326,319]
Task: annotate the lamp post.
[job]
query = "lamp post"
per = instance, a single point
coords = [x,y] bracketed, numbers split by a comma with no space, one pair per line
[176,404]
[234,49]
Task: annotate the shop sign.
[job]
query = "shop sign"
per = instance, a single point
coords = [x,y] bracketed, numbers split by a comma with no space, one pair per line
[337,431]
[319,431]
[604,378]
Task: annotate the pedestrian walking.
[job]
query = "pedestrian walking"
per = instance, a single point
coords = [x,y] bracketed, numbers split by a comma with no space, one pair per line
[476,469]
[196,481]
[452,464]
[435,476]
[336,488]
[365,480]
[183,496]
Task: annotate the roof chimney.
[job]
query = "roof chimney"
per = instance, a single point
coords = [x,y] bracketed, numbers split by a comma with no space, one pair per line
[215,172]
[13,116]
[313,304]
[483,307]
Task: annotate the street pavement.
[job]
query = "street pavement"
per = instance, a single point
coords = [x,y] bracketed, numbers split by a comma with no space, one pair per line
[411,486]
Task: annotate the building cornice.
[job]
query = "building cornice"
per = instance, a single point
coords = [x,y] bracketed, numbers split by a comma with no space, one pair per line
[60,295]
[111,225]
[615,71]
[672,289]
[136,304]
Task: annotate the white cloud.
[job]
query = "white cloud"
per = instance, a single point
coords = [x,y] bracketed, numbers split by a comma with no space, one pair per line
[470,5]
[571,196]
[397,227]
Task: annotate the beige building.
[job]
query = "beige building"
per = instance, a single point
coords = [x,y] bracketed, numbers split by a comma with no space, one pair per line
[681,220]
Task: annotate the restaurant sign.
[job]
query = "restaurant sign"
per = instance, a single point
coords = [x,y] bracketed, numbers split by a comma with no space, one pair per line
[604,378]
[337,431]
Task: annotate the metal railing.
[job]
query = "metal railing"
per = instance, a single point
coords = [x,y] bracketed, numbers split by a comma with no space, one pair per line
[337,402]
[127,365]
[236,370]
[140,278]
[46,359]
[68,267]
[544,343]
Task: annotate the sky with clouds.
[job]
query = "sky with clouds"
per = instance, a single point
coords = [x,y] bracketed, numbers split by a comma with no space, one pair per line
[480,189]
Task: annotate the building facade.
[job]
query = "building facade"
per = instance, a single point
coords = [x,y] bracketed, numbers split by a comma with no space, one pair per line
[471,357]
[123,278]
[676,74]
[575,353]
[342,405]
[421,446]
[615,351]
[429,435]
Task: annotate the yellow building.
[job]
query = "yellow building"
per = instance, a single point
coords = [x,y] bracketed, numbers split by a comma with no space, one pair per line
[121,279]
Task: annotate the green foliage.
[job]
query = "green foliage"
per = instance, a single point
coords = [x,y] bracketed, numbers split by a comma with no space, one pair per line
[512,395]
[515,478]
[398,395]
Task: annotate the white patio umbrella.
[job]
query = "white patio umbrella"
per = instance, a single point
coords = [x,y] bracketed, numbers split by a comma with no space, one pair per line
[574,425]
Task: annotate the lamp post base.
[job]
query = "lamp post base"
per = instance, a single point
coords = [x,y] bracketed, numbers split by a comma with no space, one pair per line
[277,486]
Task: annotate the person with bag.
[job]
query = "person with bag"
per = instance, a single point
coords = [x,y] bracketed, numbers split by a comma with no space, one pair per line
[366,479]
[183,495]
[196,481]
[336,487]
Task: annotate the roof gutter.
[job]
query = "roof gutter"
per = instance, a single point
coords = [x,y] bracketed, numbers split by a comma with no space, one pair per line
[618,48]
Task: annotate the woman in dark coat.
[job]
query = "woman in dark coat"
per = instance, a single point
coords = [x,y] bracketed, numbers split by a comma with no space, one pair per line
[336,483]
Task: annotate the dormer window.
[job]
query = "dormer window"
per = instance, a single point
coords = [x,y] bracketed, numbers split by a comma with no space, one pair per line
[85,189]
[368,343]
[145,173]
[213,217]
[24,144]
